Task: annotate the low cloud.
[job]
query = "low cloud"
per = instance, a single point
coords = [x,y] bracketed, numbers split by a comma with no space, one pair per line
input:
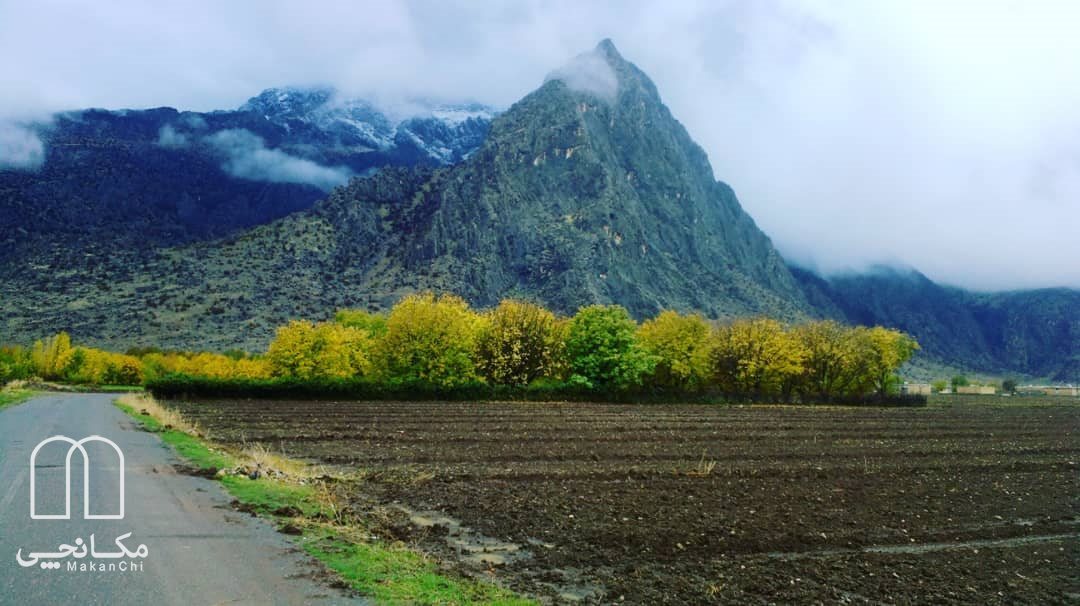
[247,157]
[20,147]
[195,121]
[589,73]
[171,138]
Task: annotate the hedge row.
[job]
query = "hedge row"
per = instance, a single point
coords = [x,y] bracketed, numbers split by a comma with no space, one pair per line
[177,386]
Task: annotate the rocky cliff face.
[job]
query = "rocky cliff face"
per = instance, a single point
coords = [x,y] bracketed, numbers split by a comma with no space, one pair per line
[589,190]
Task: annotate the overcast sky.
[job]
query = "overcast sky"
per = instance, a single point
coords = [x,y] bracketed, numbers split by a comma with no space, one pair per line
[942,135]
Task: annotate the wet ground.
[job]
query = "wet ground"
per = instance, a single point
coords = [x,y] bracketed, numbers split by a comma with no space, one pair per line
[703,504]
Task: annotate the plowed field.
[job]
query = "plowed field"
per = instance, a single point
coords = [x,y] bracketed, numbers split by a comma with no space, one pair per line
[685,504]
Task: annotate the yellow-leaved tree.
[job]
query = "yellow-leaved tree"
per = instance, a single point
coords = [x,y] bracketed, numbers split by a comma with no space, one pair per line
[834,365]
[678,343]
[518,343]
[844,361]
[105,368]
[52,356]
[888,350]
[327,350]
[755,357]
[430,340]
[205,364]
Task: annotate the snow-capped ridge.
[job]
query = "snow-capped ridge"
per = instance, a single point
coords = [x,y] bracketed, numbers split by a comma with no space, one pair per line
[445,132]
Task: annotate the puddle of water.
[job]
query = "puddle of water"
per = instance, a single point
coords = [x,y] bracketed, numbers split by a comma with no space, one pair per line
[539,543]
[925,547]
[471,546]
[580,594]
[475,548]
[573,588]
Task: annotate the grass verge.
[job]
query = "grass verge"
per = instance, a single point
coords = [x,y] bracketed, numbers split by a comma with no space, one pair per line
[13,396]
[301,500]
[413,579]
[116,388]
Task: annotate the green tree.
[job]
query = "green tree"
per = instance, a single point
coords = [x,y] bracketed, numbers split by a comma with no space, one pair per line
[373,323]
[15,363]
[519,343]
[677,342]
[602,349]
[431,341]
[939,385]
[959,381]
[1008,386]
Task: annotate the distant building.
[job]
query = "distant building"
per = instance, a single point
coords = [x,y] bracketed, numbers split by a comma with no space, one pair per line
[916,389]
[1061,390]
[1050,390]
[977,390]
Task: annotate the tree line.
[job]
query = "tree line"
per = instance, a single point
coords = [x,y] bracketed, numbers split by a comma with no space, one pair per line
[440,343]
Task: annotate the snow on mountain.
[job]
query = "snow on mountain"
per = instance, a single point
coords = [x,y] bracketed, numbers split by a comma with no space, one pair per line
[444,133]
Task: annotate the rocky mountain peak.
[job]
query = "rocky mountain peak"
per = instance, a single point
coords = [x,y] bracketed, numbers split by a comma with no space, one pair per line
[607,47]
[604,73]
[589,190]
[289,100]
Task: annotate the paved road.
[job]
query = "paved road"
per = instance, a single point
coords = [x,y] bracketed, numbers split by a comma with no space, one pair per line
[199,551]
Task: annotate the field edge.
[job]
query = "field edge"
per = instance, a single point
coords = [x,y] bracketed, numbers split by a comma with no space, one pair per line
[390,574]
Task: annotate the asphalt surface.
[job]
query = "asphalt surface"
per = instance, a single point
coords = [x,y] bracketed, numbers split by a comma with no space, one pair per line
[198,550]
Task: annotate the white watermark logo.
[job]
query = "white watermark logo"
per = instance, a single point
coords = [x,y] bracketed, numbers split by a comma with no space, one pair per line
[75,446]
[49,560]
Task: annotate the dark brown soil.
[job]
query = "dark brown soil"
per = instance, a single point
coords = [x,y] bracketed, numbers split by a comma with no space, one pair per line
[199,472]
[678,504]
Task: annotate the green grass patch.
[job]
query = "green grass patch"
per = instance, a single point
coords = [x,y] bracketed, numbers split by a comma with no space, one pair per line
[400,576]
[390,574]
[118,388]
[196,451]
[11,397]
[268,496]
[149,423]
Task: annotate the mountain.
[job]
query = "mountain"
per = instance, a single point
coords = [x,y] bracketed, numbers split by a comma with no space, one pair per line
[135,180]
[587,190]
[207,230]
[1035,332]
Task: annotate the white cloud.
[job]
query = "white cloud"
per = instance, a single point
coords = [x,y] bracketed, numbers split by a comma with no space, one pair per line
[20,147]
[170,137]
[246,156]
[590,73]
[194,121]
